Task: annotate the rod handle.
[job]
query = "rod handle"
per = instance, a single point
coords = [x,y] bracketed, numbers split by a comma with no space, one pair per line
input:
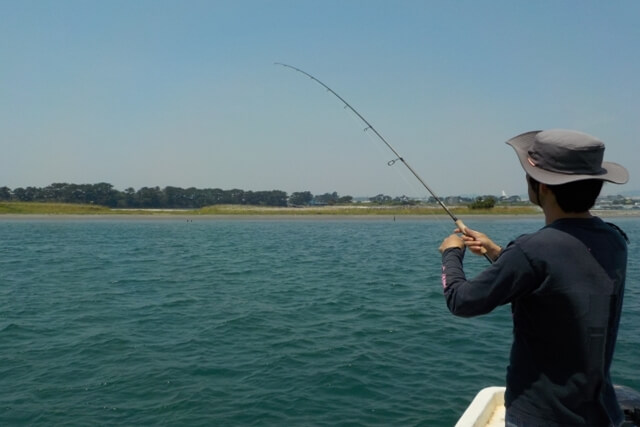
[461,226]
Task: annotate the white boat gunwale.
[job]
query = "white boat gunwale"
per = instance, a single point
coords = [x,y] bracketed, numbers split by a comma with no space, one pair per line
[486,409]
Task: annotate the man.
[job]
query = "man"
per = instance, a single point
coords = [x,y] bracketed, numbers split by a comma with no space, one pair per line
[565,284]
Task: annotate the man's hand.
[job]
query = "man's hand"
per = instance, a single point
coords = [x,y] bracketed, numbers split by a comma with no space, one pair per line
[479,243]
[453,241]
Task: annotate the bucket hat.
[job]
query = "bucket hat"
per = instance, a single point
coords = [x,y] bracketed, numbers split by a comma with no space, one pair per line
[559,156]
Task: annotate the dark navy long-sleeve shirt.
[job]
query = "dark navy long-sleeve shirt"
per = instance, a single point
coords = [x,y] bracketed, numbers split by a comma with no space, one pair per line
[565,284]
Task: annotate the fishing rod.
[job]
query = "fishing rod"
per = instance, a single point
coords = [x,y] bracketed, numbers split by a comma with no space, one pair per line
[456,220]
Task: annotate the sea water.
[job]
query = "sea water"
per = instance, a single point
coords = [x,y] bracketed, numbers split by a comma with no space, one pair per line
[251,322]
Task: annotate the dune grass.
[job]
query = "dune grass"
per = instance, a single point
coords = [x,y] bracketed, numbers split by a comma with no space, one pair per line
[360,210]
[38,208]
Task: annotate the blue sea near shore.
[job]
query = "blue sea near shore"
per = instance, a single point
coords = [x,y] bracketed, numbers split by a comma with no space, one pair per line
[245,322]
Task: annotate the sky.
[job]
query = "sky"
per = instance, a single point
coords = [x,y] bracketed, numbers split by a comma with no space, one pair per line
[186,93]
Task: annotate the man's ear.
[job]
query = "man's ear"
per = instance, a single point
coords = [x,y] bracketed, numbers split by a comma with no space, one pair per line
[544,193]
[544,188]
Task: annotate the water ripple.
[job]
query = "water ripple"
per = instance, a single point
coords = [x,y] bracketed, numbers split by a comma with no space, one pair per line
[247,323]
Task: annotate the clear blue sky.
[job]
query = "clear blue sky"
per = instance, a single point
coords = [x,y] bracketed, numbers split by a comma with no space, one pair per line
[185,93]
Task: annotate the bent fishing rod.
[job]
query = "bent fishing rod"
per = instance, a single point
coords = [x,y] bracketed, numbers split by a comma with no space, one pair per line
[456,220]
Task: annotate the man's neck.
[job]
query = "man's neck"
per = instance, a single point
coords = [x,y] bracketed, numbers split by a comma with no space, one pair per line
[552,210]
[554,214]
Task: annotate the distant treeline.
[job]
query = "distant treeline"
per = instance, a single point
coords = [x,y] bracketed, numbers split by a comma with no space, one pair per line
[169,197]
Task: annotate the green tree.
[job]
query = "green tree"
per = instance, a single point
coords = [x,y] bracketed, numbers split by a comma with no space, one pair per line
[327,198]
[380,198]
[28,194]
[102,194]
[484,202]
[234,196]
[273,198]
[149,197]
[5,193]
[176,197]
[127,198]
[300,198]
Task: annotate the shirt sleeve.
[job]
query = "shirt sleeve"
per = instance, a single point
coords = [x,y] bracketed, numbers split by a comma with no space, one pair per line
[509,277]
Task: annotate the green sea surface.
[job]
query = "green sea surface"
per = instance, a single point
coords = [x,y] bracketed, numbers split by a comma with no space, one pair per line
[251,322]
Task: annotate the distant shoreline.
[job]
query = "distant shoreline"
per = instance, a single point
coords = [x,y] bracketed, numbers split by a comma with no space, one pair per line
[158,216]
[36,210]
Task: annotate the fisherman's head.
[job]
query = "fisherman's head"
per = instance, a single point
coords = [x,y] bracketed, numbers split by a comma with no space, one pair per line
[570,163]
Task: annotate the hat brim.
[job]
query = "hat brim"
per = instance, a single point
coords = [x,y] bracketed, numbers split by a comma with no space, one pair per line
[614,172]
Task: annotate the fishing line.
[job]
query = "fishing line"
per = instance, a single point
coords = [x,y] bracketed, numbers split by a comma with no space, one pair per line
[398,157]
[402,174]
[383,154]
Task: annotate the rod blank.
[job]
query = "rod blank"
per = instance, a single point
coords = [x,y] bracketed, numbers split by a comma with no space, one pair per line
[456,220]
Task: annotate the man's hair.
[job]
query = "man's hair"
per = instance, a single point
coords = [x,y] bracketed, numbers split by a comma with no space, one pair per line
[577,196]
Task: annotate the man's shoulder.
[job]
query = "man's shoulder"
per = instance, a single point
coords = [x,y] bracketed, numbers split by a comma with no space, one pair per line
[544,238]
[536,236]
[569,234]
